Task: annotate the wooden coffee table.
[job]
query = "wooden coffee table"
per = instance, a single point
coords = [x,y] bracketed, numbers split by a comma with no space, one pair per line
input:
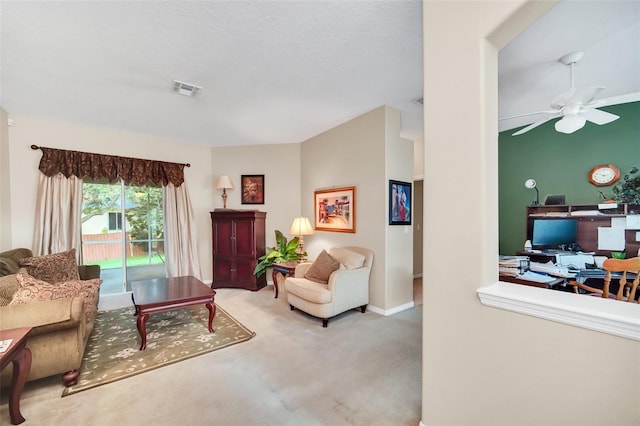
[20,356]
[165,294]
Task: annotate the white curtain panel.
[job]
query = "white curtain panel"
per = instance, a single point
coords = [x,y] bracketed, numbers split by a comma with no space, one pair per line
[181,242]
[58,215]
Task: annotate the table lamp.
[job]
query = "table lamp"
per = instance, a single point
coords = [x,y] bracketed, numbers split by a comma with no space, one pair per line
[531,184]
[301,227]
[224,183]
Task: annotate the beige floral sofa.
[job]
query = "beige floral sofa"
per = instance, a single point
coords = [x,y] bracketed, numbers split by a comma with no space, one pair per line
[56,297]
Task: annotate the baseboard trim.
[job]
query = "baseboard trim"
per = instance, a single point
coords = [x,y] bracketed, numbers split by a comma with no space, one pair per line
[392,311]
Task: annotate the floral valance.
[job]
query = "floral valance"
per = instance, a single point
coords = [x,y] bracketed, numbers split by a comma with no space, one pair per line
[98,167]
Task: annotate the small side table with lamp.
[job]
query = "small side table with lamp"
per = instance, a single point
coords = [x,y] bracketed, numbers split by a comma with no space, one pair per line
[300,227]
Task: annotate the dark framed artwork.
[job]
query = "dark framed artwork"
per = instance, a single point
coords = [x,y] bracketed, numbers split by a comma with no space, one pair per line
[399,203]
[335,209]
[252,189]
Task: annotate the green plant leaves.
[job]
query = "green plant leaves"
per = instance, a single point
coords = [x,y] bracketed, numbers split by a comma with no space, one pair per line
[627,190]
[283,252]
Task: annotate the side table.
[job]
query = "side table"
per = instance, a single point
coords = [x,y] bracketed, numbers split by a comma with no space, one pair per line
[20,355]
[286,269]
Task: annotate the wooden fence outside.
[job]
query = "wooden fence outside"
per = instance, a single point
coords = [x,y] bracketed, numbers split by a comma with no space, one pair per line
[110,247]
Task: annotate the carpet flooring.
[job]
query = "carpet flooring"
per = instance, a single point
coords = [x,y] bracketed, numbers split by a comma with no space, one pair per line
[113,353]
[364,369]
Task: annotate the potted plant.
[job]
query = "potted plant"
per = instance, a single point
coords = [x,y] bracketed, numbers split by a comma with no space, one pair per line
[627,190]
[283,252]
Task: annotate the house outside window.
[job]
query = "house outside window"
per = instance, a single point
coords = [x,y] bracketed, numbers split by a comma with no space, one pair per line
[115,221]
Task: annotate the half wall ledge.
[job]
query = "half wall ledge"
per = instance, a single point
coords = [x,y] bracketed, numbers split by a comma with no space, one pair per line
[594,313]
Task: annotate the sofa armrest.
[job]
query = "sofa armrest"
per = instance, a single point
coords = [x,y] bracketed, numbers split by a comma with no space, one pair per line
[301,269]
[350,286]
[88,272]
[44,317]
[349,277]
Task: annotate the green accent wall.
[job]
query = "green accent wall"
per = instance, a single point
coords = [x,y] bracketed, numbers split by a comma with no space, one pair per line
[559,163]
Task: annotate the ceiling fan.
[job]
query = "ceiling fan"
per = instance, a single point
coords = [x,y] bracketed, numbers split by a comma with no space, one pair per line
[576,106]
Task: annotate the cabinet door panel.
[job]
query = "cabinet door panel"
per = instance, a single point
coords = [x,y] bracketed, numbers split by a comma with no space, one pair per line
[244,270]
[244,238]
[223,233]
[223,270]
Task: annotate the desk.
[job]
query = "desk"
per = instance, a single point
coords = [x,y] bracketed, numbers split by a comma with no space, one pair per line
[285,268]
[20,356]
[515,280]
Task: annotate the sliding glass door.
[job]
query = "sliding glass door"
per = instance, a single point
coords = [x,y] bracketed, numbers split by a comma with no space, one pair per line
[123,232]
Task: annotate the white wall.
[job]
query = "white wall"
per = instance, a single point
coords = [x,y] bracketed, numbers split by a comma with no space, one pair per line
[24,165]
[481,365]
[398,260]
[353,154]
[281,166]
[5,178]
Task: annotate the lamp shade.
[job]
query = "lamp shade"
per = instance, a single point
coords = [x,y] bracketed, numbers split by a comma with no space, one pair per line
[224,182]
[301,226]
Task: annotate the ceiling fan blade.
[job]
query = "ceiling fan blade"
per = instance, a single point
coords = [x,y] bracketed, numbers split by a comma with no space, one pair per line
[570,123]
[599,117]
[584,95]
[536,124]
[563,98]
[528,114]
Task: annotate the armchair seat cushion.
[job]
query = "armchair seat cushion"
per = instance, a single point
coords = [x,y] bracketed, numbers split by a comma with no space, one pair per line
[309,290]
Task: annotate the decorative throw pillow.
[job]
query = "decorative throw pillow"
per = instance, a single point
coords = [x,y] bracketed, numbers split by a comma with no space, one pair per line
[10,260]
[350,259]
[8,286]
[53,268]
[35,290]
[322,268]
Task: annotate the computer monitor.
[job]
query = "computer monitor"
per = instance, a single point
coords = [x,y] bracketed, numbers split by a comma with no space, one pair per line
[553,233]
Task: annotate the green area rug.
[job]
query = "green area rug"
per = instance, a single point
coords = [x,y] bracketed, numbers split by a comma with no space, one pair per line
[112,350]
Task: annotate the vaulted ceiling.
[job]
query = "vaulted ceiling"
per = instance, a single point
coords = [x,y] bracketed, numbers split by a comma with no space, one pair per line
[276,71]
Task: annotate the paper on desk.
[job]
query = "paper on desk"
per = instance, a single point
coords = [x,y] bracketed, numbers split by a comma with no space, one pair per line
[4,345]
[618,222]
[611,238]
[576,261]
[633,221]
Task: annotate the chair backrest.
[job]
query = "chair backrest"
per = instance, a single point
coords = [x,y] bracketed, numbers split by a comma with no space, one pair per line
[368,254]
[623,266]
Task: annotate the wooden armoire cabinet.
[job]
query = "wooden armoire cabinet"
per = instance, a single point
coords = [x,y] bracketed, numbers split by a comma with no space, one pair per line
[238,242]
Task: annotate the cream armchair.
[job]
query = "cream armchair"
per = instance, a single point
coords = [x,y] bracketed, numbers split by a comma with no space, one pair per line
[346,288]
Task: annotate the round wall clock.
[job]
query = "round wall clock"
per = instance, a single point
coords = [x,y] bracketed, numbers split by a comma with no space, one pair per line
[604,175]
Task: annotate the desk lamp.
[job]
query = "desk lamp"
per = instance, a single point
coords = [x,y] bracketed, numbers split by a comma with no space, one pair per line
[531,184]
[301,227]
[224,183]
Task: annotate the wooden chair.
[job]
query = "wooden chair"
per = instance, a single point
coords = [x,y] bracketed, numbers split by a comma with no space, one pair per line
[626,289]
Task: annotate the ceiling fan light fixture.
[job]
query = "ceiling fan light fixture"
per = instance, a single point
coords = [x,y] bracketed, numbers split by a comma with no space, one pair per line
[570,123]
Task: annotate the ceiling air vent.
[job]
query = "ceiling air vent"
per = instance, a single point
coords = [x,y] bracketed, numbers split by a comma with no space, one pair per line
[417,101]
[186,89]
